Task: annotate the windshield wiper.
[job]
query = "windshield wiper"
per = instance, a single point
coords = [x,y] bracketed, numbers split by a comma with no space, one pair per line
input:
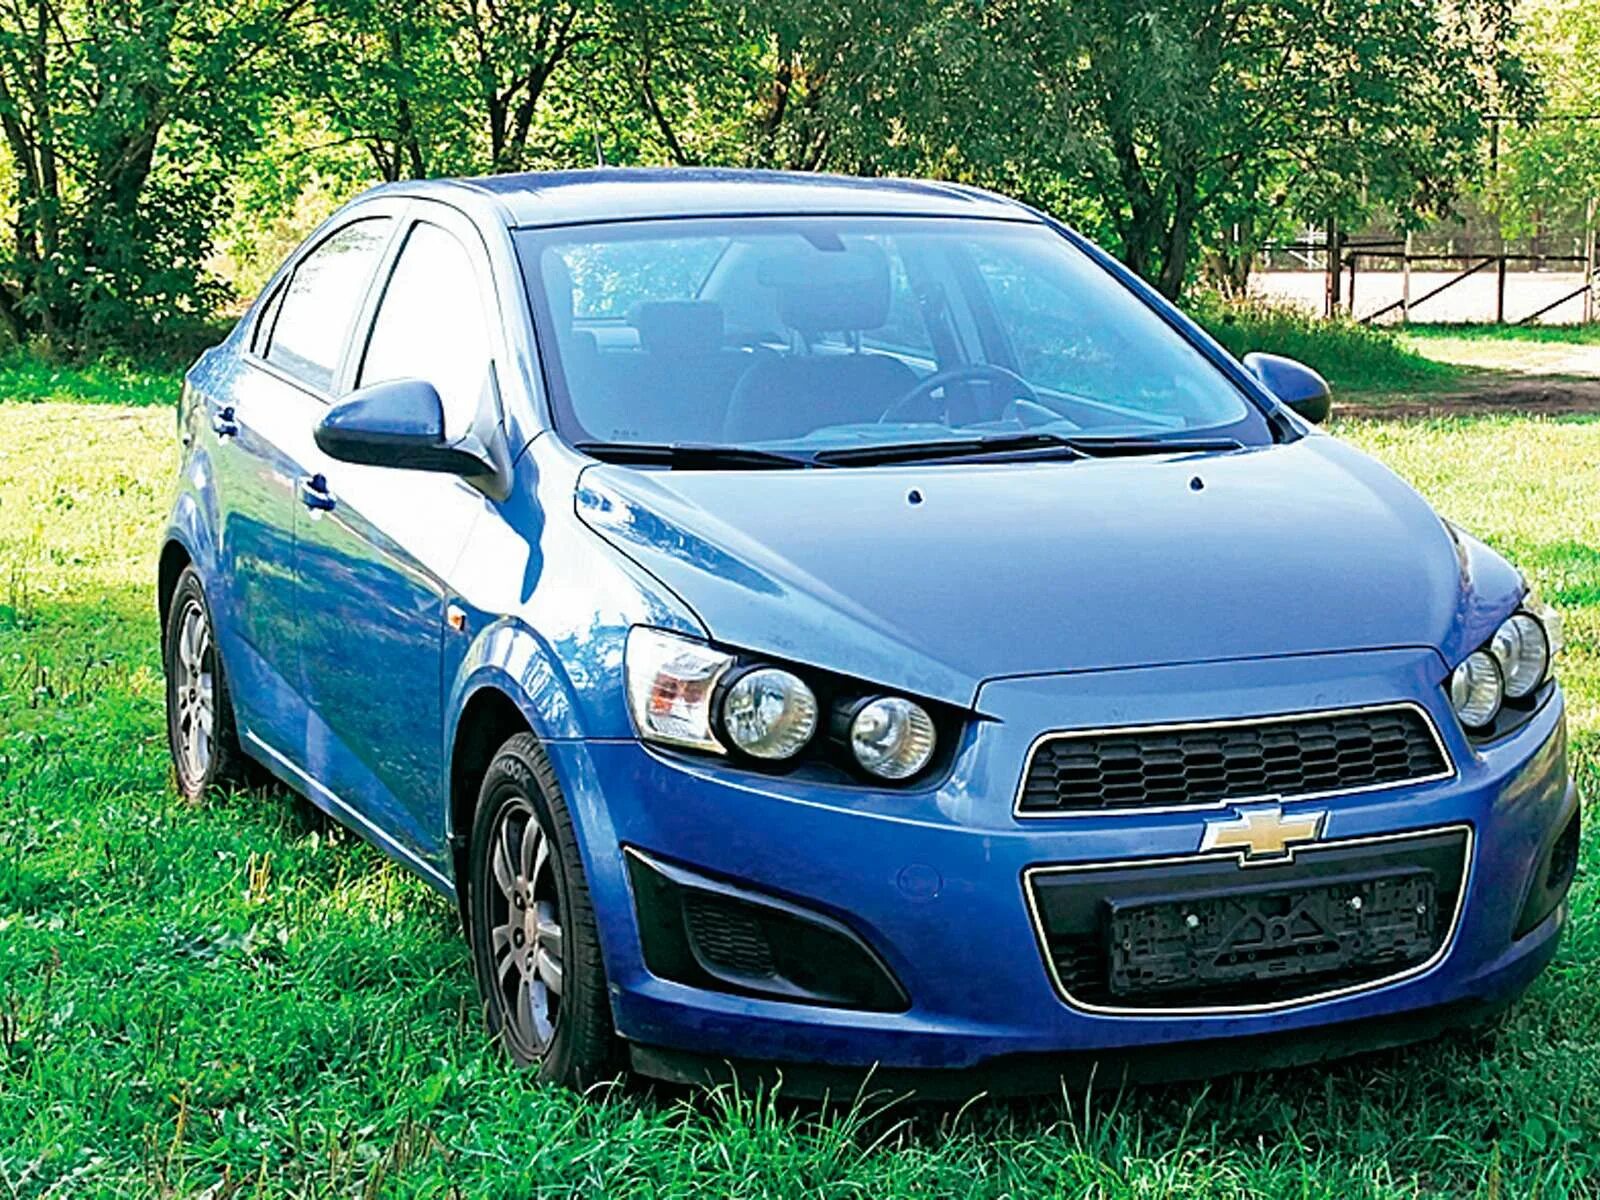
[689,456]
[1009,446]
[1023,446]
[1111,447]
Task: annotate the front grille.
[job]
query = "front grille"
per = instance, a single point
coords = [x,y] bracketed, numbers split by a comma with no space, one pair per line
[1120,939]
[1174,766]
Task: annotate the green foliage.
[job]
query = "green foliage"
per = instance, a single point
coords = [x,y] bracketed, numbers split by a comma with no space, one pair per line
[120,122]
[234,999]
[1552,166]
[1351,356]
[1222,121]
[1181,132]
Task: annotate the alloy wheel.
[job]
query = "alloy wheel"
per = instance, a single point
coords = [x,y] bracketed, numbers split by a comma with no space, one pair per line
[525,928]
[194,660]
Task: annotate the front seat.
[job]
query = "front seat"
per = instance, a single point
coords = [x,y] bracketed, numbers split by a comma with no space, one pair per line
[821,292]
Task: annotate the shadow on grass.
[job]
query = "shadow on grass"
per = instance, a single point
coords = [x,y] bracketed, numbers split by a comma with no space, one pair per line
[25,379]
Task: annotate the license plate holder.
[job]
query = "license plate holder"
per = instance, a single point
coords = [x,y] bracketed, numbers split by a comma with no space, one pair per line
[1270,932]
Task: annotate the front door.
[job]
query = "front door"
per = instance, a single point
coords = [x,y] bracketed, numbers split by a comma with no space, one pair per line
[374,547]
[261,427]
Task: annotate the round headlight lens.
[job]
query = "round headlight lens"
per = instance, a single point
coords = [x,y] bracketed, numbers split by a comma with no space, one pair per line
[892,737]
[1523,652]
[769,713]
[1476,690]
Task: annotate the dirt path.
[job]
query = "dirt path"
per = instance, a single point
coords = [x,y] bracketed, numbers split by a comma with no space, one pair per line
[1536,378]
[1551,396]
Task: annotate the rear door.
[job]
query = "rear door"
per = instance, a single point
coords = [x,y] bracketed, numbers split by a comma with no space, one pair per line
[262,428]
[376,544]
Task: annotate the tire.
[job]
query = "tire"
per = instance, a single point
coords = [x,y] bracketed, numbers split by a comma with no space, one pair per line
[531,924]
[201,734]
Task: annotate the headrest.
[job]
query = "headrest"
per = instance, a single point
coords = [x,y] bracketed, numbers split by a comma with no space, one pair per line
[830,291]
[558,288]
[678,326]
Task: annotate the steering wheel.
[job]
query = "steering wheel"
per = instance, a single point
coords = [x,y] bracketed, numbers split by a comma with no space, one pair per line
[1022,391]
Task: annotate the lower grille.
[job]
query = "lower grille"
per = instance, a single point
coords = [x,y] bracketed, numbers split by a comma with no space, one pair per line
[728,935]
[1177,765]
[1203,933]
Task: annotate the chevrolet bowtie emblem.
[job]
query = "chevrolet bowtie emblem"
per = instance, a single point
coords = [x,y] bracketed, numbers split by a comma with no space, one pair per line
[1262,832]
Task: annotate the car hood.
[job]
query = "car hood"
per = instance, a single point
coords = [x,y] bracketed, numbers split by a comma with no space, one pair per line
[936,578]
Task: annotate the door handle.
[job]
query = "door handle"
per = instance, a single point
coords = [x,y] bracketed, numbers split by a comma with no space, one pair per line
[224,424]
[314,494]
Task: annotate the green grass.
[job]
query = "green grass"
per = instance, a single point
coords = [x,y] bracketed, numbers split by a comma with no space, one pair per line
[226,999]
[27,379]
[1575,335]
[1354,358]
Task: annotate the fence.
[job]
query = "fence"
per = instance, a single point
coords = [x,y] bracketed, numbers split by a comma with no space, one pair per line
[1343,260]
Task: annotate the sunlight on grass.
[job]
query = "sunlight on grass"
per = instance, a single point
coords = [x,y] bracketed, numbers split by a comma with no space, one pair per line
[234,998]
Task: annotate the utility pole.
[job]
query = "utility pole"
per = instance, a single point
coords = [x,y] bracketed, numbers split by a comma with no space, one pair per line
[1405,282]
[1589,236]
[1330,293]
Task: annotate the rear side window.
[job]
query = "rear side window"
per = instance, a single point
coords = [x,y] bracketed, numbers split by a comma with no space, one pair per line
[321,301]
[430,325]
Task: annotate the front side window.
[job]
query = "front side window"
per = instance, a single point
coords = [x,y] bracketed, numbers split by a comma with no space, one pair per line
[319,305]
[821,333]
[430,325]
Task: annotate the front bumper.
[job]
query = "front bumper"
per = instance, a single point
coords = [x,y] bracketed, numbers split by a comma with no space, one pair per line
[932,880]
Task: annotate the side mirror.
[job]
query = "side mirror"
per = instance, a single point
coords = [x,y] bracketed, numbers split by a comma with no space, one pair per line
[1296,384]
[398,424]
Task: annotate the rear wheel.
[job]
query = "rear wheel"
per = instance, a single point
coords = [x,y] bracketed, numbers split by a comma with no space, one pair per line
[200,730]
[535,943]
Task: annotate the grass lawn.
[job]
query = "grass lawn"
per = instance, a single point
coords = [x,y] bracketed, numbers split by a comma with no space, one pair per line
[227,999]
[1580,335]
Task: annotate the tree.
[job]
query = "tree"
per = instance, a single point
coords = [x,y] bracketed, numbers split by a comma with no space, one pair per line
[119,119]
[1178,115]
[1550,166]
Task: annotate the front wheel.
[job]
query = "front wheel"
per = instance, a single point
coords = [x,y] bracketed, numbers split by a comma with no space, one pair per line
[535,942]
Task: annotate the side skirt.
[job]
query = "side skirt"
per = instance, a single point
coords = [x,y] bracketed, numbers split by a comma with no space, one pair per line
[342,812]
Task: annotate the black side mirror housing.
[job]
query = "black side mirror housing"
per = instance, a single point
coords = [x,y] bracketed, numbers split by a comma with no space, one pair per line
[399,424]
[1294,383]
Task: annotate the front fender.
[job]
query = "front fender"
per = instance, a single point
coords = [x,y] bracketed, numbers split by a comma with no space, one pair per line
[1491,588]
[511,658]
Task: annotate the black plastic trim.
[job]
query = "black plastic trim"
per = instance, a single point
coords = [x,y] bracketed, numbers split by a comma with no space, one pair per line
[768,947]
[1553,872]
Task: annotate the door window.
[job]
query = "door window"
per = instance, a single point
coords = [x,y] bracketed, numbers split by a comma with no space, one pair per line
[320,304]
[430,326]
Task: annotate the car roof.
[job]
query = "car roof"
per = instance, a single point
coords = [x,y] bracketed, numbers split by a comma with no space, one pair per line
[542,198]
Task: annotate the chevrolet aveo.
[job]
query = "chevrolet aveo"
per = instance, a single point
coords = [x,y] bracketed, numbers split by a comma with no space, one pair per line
[850,624]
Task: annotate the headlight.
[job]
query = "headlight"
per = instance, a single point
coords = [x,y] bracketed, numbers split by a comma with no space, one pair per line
[670,682]
[892,737]
[1476,690]
[1549,618]
[1520,648]
[769,713]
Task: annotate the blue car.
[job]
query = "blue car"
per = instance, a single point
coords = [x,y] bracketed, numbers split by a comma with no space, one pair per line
[830,625]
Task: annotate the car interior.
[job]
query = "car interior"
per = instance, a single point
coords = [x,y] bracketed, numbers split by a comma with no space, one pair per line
[803,335]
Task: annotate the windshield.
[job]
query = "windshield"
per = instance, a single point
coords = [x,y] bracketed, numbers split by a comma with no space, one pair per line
[822,334]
